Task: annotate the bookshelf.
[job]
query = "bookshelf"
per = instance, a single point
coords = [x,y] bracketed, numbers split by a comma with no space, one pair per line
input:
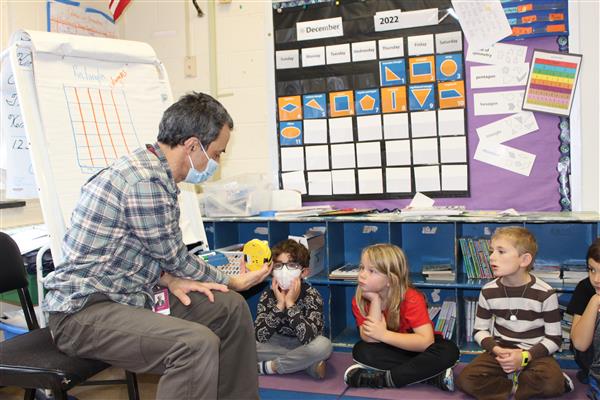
[562,238]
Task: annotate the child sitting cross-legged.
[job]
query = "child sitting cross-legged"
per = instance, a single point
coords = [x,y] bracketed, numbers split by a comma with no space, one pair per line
[518,325]
[289,320]
[585,331]
[398,345]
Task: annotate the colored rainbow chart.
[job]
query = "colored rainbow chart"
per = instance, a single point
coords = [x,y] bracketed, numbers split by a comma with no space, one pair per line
[552,82]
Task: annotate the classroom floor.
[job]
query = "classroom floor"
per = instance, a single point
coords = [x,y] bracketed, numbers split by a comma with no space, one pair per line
[283,387]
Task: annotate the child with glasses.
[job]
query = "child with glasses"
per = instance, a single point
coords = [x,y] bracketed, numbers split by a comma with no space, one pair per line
[398,345]
[289,320]
[585,331]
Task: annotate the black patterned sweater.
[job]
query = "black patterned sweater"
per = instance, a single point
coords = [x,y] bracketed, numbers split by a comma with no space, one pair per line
[304,320]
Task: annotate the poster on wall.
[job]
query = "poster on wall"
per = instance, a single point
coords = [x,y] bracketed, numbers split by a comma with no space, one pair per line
[370,102]
[552,81]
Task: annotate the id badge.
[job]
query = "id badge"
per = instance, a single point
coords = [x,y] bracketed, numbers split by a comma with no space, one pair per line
[161,302]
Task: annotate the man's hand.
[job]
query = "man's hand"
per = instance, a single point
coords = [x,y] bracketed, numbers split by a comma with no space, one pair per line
[279,295]
[180,287]
[293,292]
[246,280]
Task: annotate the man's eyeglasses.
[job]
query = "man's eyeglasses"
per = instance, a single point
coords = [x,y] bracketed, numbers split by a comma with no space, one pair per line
[290,265]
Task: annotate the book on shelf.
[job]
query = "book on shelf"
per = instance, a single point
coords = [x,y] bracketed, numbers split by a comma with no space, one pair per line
[438,272]
[547,273]
[574,271]
[346,271]
[476,257]
[470,312]
[446,319]
[433,311]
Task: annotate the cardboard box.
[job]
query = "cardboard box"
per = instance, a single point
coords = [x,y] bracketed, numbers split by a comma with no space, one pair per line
[314,241]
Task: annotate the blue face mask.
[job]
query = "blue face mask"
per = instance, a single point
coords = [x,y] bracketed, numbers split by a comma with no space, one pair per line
[194,176]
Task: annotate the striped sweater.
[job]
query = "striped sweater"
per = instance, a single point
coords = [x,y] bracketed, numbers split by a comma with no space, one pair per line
[537,328]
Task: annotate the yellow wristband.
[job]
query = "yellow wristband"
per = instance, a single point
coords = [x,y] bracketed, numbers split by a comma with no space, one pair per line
[525,358]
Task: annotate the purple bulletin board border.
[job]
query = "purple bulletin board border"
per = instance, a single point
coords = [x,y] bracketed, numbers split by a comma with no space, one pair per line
[493,188]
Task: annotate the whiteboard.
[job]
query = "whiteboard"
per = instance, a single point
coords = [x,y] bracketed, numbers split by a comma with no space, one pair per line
[87,101]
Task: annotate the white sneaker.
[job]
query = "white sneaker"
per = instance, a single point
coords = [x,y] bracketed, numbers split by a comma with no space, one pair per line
[569,386]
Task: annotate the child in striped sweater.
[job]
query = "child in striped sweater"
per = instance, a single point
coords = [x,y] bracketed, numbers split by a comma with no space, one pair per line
[518,326]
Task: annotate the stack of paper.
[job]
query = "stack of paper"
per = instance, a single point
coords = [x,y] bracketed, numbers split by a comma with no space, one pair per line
[347,271]
[423,205]
[438,272]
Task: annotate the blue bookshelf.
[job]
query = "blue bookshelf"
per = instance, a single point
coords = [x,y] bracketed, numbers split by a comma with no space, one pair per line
[562,237]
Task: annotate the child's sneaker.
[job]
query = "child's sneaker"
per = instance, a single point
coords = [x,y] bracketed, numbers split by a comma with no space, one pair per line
[358,376]
[317,370]
[444,380]
[568,383]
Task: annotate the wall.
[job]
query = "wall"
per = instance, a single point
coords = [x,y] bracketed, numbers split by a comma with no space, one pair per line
[239,80]
[588,35]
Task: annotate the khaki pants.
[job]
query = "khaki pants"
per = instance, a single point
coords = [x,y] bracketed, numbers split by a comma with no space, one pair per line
[484,379]
[203,351]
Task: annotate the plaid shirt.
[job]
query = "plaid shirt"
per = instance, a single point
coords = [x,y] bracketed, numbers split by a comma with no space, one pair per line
[124,232]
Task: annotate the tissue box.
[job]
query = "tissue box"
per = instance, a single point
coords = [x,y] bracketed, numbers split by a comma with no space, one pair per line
[314,241]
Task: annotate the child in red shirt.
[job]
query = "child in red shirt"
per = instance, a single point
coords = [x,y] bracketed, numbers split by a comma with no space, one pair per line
[398,346]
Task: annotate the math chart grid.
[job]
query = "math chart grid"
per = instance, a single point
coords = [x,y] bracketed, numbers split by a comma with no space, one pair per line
[551,84]
[101,125]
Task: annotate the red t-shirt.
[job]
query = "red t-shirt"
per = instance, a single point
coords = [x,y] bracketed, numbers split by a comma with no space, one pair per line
[413,312]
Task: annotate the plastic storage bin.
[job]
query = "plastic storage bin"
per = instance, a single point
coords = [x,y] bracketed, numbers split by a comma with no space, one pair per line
[11,331]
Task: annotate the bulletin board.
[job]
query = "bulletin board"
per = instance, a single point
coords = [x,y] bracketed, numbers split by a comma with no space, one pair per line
[316,143]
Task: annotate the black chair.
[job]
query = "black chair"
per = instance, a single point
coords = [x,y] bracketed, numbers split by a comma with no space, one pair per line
[32,361]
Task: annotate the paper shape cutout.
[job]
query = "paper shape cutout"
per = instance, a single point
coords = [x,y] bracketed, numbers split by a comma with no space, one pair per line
[367,102]
[451,94]
[314,105]
[341,130]
[341,104]
[421,69]
[290,133]
[315,131]
[290,108]
[343,181]
[393,99]
[392,72]
[370,181]
[421,97]
[449,67]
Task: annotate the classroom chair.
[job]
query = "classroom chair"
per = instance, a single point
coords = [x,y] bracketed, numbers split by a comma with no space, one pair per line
[32,361]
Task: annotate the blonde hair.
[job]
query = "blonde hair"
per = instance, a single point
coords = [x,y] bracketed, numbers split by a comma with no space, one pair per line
[391,261]
[521,239]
